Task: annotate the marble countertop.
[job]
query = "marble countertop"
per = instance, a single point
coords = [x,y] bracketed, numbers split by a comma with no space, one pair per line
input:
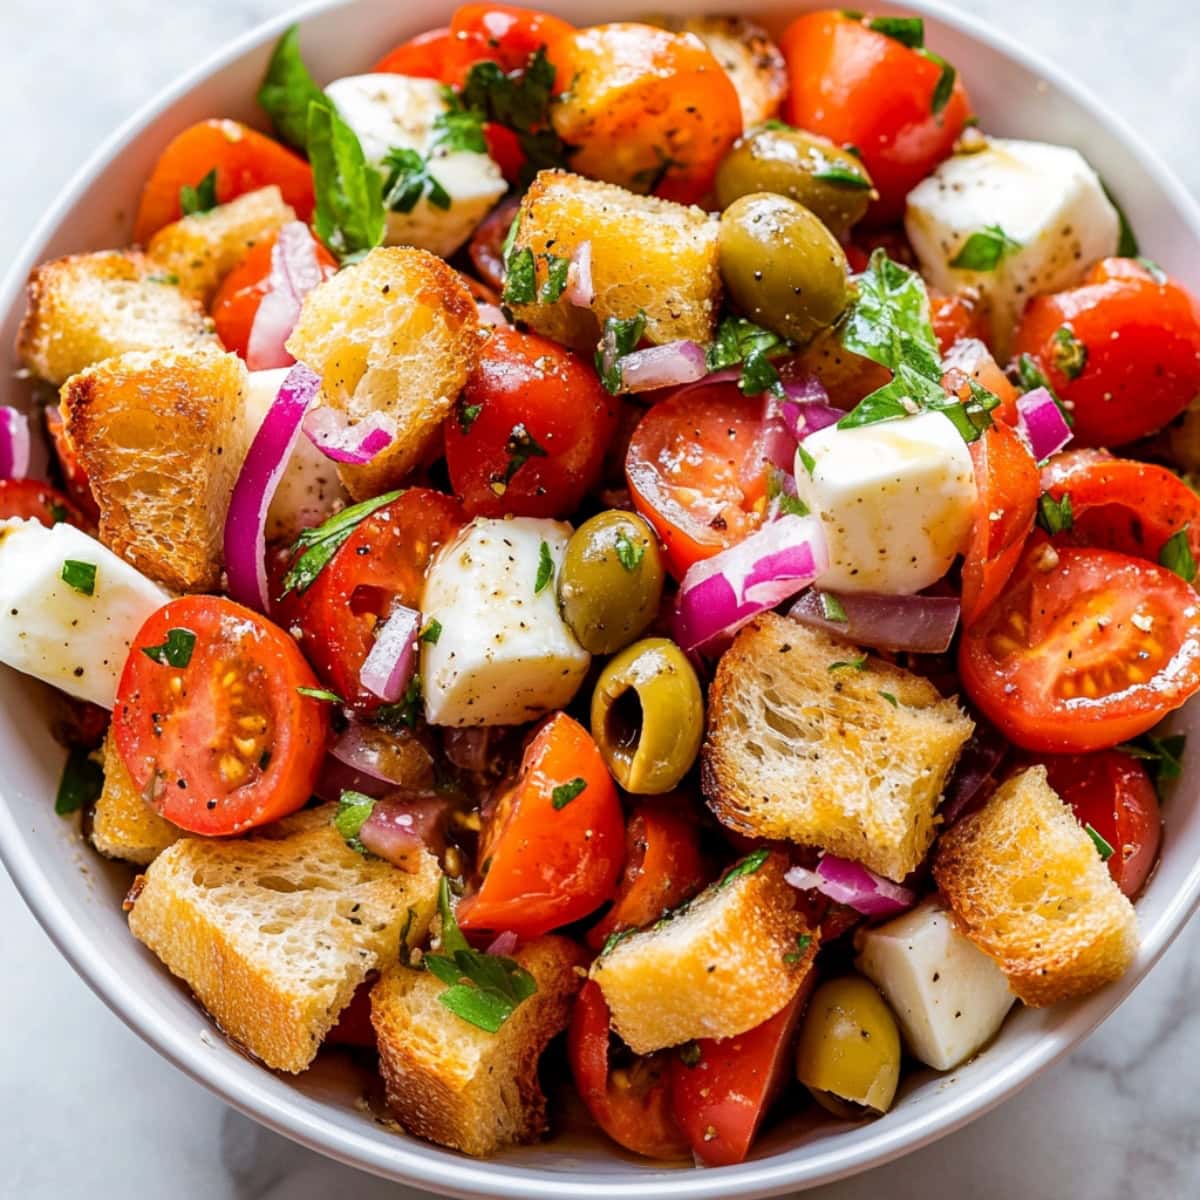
[87,1109]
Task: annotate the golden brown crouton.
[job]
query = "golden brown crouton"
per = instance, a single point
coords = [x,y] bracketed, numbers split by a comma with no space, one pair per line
[124,826]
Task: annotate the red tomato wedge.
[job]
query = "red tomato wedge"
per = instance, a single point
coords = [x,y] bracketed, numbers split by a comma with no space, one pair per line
[551,851]
[1084,649]
[422,57]
[501,33]
[30,499]
[209,722]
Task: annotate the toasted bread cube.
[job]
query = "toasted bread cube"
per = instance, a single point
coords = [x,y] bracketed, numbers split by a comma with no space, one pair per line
[124,826]
[273,934]
[850,757]
[723,963]
[88,307]
[203,248]
[456,1084]
[398,334]
[1024,879]
[162,437]
[648,255]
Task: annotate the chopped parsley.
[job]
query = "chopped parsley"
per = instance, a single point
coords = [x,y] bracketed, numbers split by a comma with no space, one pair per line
[80,784]
[468,414]
[349,217]
[408,180]
[1176,555]
[1103,847]
[318,545]
[288,89]
[352,812]
[741,341]
[832,608]
[621,337]
[1069,353]
[545,571]
[806,460]
[984,249]
[176,651]
[629,552]
[1055,516]
[80,575]
[748,866]
[202,198]
[890,699]
[432,632]
[854,664]
[458,128]
[1163,756]
[404,713]
[803,941]
[321,694]
[562,795]
[843,177]
[520,447]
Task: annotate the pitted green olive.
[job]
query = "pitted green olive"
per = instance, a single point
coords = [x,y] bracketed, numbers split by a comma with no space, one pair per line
[811,170]
[611,581]
[648,716]
[781,266]
[848,1055]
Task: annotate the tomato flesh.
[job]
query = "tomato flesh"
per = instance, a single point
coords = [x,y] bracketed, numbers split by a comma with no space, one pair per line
[422,57]
[32,500]
[501,33]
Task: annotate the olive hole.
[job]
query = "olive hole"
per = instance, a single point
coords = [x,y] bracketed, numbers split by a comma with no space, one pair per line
[623,725]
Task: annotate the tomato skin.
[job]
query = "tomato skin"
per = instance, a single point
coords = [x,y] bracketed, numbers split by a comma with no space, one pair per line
[1058,665]
[226,742]
[487,242]
[1143,350]
[245,160]
[866,89]
[663,868]
[74,476]
[30,499]
[1112,793]
[970,356]
[955,317]
[525,387]
[693,471]
[635,1108]
[499,33]
[548,867]
[422,57]
[381,564]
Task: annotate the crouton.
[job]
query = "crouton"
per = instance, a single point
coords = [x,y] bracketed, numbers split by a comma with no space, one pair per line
[395,334]
[124,826]
[87,307]
[648,255]
[1025,881]
[162,437]
[813,741]
[273,934]
[456,1084]
[203,248]
[721,964]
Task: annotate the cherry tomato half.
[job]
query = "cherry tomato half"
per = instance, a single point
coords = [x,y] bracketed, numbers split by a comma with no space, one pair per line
[499,33]
[1122,350]
[530,430]
[30,499]
[955,317]
[208,720]
[1084,649]
[551,851]
[422,57]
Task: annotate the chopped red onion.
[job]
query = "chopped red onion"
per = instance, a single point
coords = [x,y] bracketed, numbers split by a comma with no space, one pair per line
[922,624]
[580,290]
[401,829]
[330,431]
[504,944]
[722,593]
[668,365]
[807,417]
[295,271]
[850,883]
[365,749]
[774,444]
[1042,423]
[470,748]
[389,666]
[15,443]
[975,773]
[266,461]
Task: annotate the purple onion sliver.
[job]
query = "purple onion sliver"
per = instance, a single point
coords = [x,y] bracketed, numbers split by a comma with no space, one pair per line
[356,445]
[921,624]
[669,365]
[504,944]
[1041,421]
[15,444]
[389,666]
[580,291]
[295,271]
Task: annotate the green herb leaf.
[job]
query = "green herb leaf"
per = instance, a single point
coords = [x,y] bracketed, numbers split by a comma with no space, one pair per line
[458,128]
[520,447]
[944,88]
[562,795]
[545,571]
[404,713]
[852,664]
[352,811]
[318,545]
[759,375]
[176,651]
[748,865]
[432,632]
[468,414]
[408,180]
[1156,272]
[843,177]
[803,941]
[1127,243]
[80,575]
[984,249]
[689,1054]
[1055,516]
[321,694]
[80,784]
[780,498]
[908,31]
[909,392]
[629,552]
[1070,354]
[349,217]
[195,201]
[288,89]
[555,282]
[621,337]
[167,278]
[832,608]
[806,460]
[1163,756]
[520,279]
[1176,555]
[1103,848]
[741,341]
[58,513]
[890,699]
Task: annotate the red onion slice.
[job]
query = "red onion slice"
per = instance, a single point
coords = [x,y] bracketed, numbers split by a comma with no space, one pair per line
[580,291]
[721,594]
[365,750]
[491,315]
[295,271]
[266,461]
[668,365]
[504,944]
[922,624]
[15,443]
[330,431]
[401,830]
[1042,423]
[389,666]
[850,883]
[775,444]
[975,773]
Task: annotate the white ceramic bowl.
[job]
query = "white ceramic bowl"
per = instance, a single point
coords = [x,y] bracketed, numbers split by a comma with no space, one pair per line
[77,897]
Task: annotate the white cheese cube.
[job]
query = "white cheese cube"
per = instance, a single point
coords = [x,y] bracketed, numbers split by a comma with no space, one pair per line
[948,996]
[56,632]
[1044,197]
[504,655]
[895,499]
[394,112]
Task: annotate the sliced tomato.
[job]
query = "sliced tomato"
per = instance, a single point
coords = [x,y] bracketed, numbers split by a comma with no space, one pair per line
[74,476]
[501,33]
[422,57]
[723,1087]
[956,316]
[208,719]
[633,1105]
[244,160]
[487,242]
[695,474]
[663,868]
[1084,649]
[551,851]
[30,499]
[972,357]
[1112,793]
[380,565]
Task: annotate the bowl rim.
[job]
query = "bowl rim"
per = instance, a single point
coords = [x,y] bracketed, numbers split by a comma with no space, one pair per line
[408,1160]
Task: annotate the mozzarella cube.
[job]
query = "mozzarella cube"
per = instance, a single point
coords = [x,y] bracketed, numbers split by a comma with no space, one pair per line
[53,630]
[895,499]
[504,654]
[948,996]
[1046,198]
[394,112]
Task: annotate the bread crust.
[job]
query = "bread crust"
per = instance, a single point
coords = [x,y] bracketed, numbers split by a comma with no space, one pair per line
[124,826]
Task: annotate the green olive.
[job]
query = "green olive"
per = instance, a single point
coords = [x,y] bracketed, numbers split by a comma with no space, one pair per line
[781,266]
[848,1055]
[811,170]
[648,716]
[611,581]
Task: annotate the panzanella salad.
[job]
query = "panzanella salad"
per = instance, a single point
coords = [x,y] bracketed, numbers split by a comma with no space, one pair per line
[656,533]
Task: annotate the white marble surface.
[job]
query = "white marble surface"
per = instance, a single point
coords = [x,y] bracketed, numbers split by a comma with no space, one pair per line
[87,1110]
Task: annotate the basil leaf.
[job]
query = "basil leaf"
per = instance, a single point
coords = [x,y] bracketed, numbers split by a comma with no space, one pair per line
[984,249]
[288,89]
[1031,376]
[741,341]
[1163,756]
[806,460]
[843,177]
[176,651]
[748,865]
[621,337]
[890,699]
[321,694]
[555,282]
[908,31]
[908,393]
[562,795]
[629,552]
[520,279]
[431,633]
[1070,354]
[80,575]
[778,497]
[944,88]
[1127,243]
[1055,516]
[349,216]
[1103,848]
[80,784]
[196,201]
[352,812]
[545,571]
[468,414]
[1176,555]
[832,608]
[458,128]
[408,180]
[803,941]
[322,542]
